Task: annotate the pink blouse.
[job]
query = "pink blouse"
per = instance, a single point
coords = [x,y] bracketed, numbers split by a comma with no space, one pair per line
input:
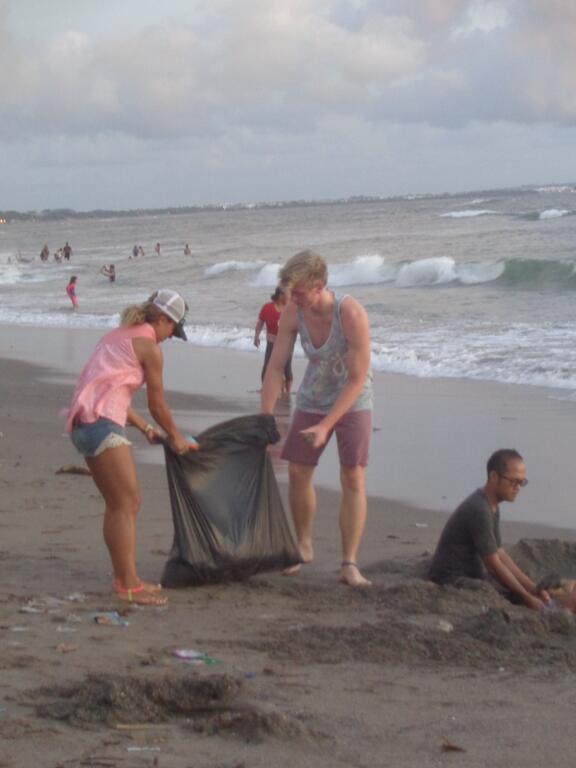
[109,378]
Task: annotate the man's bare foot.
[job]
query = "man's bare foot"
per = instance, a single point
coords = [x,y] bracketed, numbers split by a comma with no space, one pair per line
[307,555]
[292,571]
[350,575]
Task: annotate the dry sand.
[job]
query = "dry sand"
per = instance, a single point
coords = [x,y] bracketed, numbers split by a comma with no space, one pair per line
[309,672]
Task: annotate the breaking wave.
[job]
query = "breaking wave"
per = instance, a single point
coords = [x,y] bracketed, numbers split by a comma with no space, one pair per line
[441,270]
[549,213]
[468,214]
[232,266]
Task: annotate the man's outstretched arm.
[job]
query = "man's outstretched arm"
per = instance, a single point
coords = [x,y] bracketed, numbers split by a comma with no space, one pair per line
[525,580]
[497,566]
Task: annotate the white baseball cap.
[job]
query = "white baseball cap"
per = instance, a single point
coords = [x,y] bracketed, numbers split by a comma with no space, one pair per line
[173,305]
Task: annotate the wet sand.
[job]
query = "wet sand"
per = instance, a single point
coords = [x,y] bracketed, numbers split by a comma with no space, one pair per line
[432,436]
[309,672]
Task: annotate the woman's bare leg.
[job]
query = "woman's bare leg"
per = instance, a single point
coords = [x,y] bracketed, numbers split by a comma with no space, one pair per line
[115,476]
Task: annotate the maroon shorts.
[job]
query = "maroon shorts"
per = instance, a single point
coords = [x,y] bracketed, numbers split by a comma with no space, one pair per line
[353,433]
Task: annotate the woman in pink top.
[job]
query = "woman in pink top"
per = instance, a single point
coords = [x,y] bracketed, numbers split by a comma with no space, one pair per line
[122,362]
[71,291]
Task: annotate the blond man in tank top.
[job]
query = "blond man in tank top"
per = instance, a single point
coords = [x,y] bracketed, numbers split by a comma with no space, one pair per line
[335,396]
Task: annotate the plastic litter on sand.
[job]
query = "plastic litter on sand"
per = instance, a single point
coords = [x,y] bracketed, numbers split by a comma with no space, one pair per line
[111,619]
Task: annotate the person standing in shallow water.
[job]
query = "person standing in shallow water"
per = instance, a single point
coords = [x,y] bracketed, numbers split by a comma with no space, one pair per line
[270,316]
[71,291]
[335,396]
[109,271]
[124,360]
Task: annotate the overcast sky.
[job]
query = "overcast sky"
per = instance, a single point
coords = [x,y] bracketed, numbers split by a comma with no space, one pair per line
[149,103]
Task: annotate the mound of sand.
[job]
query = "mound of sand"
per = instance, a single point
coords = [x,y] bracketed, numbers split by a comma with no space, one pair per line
[541,557]
[253,726]
[209,705]
[418,622]
[111,700]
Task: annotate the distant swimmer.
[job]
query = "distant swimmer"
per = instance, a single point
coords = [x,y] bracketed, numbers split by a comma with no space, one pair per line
[44,253]
[134,252]
[109,271]
[140,251]
[71,291]
[187,250]
[58,256]
[67,251]
[157,249]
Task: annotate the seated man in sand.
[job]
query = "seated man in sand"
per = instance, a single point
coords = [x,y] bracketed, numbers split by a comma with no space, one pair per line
[470,545]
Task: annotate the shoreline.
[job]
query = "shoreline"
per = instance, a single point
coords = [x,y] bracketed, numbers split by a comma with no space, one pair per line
[431,437]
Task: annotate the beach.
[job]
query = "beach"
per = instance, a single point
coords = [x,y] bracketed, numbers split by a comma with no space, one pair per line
[307,672]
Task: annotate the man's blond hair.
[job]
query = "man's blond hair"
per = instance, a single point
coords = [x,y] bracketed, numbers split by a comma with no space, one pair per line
[305,267]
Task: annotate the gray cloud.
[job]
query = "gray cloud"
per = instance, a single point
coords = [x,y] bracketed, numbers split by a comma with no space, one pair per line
[166,80]
[275,62]
[280,98]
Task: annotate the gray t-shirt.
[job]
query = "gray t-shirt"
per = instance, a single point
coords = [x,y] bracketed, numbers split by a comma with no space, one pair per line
[471,533]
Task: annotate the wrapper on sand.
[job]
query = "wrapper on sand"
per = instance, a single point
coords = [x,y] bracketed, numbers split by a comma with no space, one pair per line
[229,521]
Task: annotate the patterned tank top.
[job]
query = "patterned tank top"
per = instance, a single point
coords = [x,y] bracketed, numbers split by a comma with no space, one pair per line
[327,373]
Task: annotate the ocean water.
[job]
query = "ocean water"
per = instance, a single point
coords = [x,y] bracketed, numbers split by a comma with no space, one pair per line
[479,286]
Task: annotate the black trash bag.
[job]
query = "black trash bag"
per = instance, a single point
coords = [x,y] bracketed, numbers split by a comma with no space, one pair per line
[229,521]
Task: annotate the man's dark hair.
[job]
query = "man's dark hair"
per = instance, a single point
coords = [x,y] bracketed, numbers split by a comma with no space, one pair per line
[499,460]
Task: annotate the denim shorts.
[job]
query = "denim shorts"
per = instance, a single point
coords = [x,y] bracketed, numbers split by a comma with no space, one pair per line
[92,439]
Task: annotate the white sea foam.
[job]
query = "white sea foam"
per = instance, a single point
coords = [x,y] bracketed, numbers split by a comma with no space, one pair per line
[467,214]
[226,337]
[56,319]
[475,273]
[508,356]
[267,277]
[442,270]
[427,272]
[375,270]
[10,274]
[462,352]
[364,270]
[19,272]
[553,213]
[232,266]
[234,337]
[522,354]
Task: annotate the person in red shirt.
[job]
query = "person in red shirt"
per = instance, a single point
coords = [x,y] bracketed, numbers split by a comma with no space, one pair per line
[270,317]
[71,291]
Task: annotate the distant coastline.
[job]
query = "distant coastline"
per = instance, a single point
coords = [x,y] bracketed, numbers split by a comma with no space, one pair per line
[61,214]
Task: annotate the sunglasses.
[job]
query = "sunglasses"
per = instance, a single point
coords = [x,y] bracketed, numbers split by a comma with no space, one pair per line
[514,482]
